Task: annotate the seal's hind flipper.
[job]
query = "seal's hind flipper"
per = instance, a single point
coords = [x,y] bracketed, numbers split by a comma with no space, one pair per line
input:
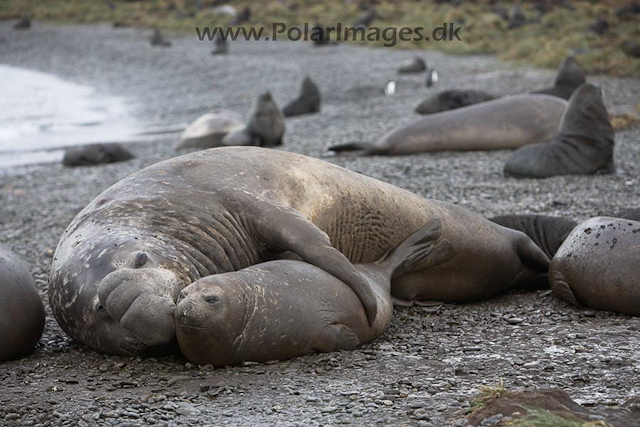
[336,337]
[350,146]
[423,249]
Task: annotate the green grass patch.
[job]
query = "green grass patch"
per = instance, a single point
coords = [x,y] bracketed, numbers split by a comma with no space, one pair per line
[543,42]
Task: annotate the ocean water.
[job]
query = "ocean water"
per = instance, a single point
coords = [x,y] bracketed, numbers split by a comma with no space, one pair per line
[40,114]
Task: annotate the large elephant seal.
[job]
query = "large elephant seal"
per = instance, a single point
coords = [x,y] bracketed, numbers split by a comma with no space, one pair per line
[283,309]
[548,232]
[584,145]
[509,122]
[597,266]
[122,262]
[226,128]
[21,309]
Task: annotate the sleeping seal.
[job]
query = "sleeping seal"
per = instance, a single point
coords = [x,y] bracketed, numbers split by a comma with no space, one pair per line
[21,309]
[283,309]
[584,145]
[509,122]
[597,266]
[208,130]
[122,262]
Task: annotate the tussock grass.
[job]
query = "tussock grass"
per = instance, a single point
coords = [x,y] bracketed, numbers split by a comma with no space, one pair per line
[543,42]
[485,395]
[537,417]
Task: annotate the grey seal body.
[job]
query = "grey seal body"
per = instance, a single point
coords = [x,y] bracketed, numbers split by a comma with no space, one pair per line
[122,262]
[570,77]
[597,266]
[583,146]
[283,309]
[96,154]
[509,122]
[548,232]
[308,102]
[21,309]
[208,130]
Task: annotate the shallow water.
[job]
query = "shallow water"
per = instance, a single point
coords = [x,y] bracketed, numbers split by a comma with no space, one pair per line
[41,113]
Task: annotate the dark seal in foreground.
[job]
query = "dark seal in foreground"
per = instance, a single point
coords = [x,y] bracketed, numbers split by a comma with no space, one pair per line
[597,266]
[584,145]
[21,309]
[120,265]
[96,154]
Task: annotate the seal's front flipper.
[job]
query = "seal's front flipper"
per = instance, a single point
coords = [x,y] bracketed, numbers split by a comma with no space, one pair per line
[561,288]
[423,249]
[336,337]
[286,229]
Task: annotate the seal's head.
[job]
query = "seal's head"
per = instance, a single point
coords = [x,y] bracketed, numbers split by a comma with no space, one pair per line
[116,294]
[210,318]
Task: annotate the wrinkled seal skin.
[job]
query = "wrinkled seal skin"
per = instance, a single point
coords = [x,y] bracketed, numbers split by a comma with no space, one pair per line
[451,100]
[509,122]
[597,266]
[21,309]
[548,232]
[283,309]
[122,262]
[584,145]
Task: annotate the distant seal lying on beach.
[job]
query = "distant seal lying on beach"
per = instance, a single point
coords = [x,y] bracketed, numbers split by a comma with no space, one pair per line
[584,145]
[21,309]
[120,265]
[509,122]
[548,232]
[597,266]
[96,154]
[282,309]
[225,128]
[569,77]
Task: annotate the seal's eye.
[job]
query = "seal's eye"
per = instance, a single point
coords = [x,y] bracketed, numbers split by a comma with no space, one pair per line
[100,308]
[141,259]
[181,295]
[211,299]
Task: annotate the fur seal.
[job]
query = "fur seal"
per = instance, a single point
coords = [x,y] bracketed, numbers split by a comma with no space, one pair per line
[23,24]
[21,309]
[548,232]
[157,39]
[584,145]
[224,128]
[283,309]
[221,46]
[413,65]
[96,154]
[122,262]
[509,122]
[597,266]
[570,77]
[308,102]
[632,214]
[452,99]
[208,130]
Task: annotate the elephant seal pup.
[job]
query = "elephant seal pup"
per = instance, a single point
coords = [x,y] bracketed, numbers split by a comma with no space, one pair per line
[597,266]
[569,78]
[584,145]
[21,309]
[283,309]
[208,130]
[308,102]
[451,100]
[122,262]
[96,154]
[509,122]
[548,232]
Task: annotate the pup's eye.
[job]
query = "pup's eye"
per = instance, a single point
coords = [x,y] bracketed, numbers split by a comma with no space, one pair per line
[211,299]
[100,308]
[181,296]
[141,260]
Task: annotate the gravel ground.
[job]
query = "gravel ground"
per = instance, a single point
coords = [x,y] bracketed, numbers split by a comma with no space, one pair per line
[425,368]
